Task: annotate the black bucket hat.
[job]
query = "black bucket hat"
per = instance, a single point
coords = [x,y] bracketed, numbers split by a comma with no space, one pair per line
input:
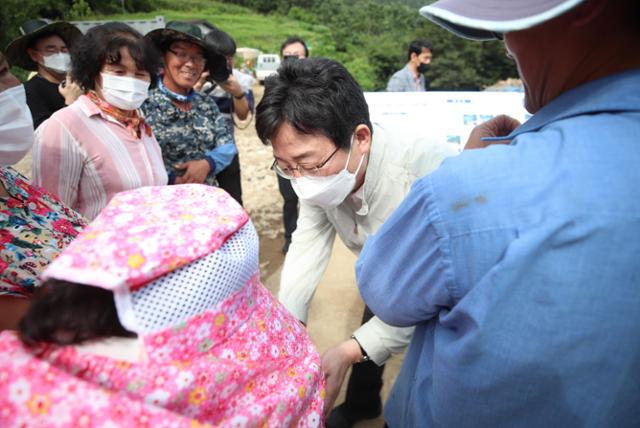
[16,51]
[176,31]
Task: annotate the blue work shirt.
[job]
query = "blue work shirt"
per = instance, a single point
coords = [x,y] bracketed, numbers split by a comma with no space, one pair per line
[520,266]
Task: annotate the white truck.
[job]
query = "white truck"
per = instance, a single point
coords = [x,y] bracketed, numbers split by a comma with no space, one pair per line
[266,65]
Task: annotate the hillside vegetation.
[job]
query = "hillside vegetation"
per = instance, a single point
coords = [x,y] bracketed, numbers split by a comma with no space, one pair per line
[369,37]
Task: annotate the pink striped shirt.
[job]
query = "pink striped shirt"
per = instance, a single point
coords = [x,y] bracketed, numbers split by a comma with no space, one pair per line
[84,157]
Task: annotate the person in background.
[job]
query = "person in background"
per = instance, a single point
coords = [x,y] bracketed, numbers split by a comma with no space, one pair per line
[248,68]
[410,78]
[34,225]
[70,90]
[44,47]
[100,145]
[518,263]
[196,143]
[234,96]
[145,326]
[293,48]
[349,175]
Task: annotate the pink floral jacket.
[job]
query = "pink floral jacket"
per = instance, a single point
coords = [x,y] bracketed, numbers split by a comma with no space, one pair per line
[246,363]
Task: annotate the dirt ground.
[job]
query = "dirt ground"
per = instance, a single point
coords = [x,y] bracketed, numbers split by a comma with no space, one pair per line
[337,308]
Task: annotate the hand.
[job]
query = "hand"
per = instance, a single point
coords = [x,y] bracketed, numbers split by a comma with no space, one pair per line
[201,81]
[335,363]
[499,126]
[196,171]
[69,90]
[232,86]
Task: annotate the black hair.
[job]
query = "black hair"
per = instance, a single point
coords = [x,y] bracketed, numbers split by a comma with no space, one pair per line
[417,45]
[315,96]
[66,313]
[220,42]
[101,45]
[292,40]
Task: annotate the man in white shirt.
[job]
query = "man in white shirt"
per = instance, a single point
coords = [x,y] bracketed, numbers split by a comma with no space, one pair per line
[349,176]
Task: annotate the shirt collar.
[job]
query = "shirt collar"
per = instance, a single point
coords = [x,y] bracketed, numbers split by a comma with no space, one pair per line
[372,174]
[89,108]
[615,93]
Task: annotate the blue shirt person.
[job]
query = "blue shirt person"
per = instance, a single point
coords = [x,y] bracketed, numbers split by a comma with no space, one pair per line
[519,264]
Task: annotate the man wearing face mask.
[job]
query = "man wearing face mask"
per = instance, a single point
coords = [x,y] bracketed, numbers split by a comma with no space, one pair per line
[44,47]
[349,176]
[411,77]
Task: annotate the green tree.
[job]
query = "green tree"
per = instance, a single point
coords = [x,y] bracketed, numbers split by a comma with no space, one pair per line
[79,9]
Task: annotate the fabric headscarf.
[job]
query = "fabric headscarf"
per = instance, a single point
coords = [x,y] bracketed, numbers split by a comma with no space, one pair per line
[182,262]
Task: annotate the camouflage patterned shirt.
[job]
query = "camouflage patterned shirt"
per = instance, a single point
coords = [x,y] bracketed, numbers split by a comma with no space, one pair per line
[200,133]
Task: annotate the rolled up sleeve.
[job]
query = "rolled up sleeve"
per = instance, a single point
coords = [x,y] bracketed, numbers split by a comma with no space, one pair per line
[404,271]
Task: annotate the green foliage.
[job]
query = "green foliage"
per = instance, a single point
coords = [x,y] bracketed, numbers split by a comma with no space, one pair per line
[79,9]
[370,37]
[15,12]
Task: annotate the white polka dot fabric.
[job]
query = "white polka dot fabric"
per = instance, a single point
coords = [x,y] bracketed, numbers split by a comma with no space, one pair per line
[194,288]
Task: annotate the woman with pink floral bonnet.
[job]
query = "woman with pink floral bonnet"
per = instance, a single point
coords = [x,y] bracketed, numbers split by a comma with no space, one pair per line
[155,316]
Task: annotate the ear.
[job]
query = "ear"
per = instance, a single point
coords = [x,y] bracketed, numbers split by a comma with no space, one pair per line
[362,138]
[33,55]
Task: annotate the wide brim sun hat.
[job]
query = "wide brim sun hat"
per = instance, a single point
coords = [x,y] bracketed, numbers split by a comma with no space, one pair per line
[16,50]
[176,31]
[488,19]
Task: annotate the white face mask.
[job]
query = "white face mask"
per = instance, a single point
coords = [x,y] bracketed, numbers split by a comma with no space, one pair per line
[59,62]
[16,126]
[329,191]
[123,92]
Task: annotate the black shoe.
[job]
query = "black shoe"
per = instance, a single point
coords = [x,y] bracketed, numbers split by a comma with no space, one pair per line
[342,417]
[285,248]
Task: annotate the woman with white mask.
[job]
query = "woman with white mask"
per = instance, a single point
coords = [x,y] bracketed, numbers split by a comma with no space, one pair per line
[34,225]
[100,145]
[44,48]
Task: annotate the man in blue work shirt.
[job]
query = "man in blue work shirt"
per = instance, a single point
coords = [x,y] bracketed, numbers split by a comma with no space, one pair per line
[519,263]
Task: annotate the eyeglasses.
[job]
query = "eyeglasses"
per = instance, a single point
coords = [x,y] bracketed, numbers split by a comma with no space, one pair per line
[197,60]
[499,36]
[304,171]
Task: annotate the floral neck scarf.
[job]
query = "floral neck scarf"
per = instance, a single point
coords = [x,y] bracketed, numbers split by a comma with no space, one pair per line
[131,119]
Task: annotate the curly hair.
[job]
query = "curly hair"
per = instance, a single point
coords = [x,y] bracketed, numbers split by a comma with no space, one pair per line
[66,313]
[101,45]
